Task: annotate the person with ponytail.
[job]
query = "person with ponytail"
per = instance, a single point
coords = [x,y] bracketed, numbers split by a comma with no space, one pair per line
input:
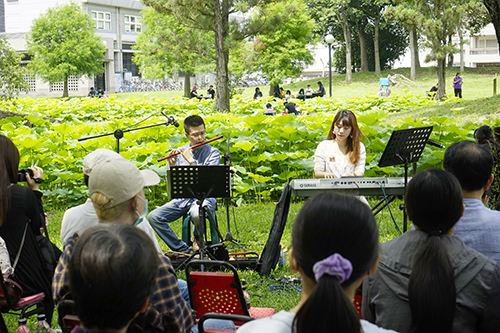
[428,280]
[334,246]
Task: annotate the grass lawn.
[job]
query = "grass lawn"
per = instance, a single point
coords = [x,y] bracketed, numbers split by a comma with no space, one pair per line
[251,222]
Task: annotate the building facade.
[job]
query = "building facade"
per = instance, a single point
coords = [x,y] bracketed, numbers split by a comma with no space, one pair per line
[117,22]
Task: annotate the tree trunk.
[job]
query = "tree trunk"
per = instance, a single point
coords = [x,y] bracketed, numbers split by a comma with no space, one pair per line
[362,46]
[441,93]
[375,43]
[187,84]
[461,35]
[413,69]
[347,37]
[65,91]
[493,7]
[415,49]
[451,57]
[221,10]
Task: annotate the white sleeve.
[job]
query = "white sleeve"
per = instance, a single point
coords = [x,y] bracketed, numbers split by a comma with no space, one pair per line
[320,157]
[360,166]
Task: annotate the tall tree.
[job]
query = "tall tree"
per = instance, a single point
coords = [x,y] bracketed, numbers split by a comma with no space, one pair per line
[62,42]
[281,52]
[215,16]
[165,46]
[11,73]
[332,15]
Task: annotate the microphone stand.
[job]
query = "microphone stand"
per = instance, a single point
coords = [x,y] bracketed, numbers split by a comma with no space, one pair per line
[227,201]
[118,134]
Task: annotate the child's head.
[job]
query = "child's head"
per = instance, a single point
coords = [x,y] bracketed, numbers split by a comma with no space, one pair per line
[334,244]
[269,106]
[434,200]
[112,274]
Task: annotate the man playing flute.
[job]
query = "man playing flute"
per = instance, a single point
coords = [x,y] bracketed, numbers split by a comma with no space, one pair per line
[160,218]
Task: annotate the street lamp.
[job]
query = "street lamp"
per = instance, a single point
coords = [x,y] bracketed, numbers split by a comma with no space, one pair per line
[329,40]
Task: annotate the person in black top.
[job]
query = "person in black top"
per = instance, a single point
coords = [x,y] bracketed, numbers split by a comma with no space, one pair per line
[434,90]
[321,90]
[290,108]
[211,92]
[194,93]
[258,93]
[21,209]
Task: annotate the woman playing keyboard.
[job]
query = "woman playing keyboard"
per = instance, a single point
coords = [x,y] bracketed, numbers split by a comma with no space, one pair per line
[341,154]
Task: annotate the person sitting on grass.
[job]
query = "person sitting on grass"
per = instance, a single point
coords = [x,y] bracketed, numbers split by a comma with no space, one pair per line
[321,90]
[269,110]
[334,246]
[428,280]
[194,93]
[301,94]
[309,91]
[112,277]
[433,91]
[258,93]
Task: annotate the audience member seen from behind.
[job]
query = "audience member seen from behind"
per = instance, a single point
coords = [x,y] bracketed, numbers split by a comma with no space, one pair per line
[484,135]
[341,154]
[479,227]
[116,188]
[258,93]
[112,276]
[21,213]
[79,218]
[334,246]
[457,85]
[428,280]
[321,90]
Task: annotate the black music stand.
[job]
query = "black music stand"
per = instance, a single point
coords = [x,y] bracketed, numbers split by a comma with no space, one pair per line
[405,147]
[200,182]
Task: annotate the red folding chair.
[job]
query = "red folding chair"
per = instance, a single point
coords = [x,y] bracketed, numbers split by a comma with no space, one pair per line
[23,304]
[216,292]
[234,318]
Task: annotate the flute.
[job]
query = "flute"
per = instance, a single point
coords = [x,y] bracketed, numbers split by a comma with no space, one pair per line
[193,146]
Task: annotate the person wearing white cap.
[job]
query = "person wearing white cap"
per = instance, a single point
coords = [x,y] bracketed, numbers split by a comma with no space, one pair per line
[80,218]
[116,188]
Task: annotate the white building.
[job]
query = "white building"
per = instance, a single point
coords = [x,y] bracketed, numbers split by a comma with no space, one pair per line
[118,22]
[479,51]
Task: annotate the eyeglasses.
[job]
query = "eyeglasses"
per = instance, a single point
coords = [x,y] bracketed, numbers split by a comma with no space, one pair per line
[198,135]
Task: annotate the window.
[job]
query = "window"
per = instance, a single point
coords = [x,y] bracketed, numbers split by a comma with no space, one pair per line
[59,86]
[102,20]
[133,23]
[31,80]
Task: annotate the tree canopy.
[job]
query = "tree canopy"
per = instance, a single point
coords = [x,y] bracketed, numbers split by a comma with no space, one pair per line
[63,42]
[229,20]
[11,73]
[165,46]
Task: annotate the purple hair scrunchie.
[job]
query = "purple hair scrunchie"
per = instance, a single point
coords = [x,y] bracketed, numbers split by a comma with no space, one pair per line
[334,265]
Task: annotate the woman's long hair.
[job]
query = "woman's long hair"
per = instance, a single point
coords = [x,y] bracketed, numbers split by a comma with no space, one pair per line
[330,223]
[434,204]
[9,163]
[348,118]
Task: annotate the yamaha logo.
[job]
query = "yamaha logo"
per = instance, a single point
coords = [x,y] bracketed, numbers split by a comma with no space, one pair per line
[307,185]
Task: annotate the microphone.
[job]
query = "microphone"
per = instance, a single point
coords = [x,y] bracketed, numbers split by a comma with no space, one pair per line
[171,120]
[434,143]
